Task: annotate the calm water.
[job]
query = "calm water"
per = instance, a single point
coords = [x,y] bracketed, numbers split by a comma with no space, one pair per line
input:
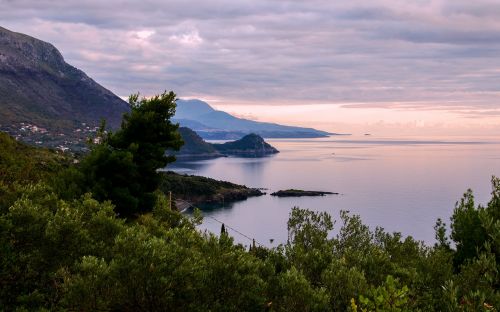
[403,185]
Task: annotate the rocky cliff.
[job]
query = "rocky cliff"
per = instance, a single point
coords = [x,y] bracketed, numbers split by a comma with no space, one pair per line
[38,87]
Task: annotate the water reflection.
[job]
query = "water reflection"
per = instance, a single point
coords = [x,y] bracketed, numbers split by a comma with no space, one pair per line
[234,169]
[400,185]
[188,166]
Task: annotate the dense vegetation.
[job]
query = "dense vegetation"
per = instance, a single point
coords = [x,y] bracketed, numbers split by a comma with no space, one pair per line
[198,189]
[122,166]
[59,252]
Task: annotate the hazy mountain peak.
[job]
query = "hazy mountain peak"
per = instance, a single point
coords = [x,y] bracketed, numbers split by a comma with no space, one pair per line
[191,109]
[213,124]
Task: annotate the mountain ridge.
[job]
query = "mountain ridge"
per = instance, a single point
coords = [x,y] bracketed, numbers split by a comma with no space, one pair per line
[46,101]
[213,124]
[37,86]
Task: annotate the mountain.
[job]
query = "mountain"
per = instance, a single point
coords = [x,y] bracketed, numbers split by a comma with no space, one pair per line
[251,145]
[194,147]
[38,88]
[192,109]
[213,124]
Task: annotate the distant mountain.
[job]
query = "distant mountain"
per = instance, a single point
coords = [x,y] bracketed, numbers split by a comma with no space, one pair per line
[195,147]
[213,124]
[38,87]
[251,145]
[192,109]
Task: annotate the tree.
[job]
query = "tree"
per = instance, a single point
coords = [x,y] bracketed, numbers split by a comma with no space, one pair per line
[466,229]
[308,247]
[389,297]
[122,166]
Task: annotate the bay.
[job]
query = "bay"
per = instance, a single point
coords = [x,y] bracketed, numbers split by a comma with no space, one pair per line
[400,184]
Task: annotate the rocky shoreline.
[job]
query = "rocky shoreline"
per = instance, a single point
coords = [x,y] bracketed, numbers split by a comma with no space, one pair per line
[201,190]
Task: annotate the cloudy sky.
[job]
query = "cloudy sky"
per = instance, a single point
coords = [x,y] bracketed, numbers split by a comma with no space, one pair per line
[419,66]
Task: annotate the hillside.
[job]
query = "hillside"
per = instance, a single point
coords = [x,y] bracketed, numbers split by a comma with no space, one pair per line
[39,89]
[195,147]
[251,145]
[213,124]
[22,163]
[78,254]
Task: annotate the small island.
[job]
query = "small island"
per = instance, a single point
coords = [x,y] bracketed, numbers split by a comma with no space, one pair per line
[195,148]
[251,145]
[299,193]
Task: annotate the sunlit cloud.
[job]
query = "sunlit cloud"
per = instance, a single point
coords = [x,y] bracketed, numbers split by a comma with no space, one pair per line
[191,38]
[145,34]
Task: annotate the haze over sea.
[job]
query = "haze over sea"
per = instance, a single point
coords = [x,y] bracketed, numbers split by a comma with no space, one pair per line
[401,184]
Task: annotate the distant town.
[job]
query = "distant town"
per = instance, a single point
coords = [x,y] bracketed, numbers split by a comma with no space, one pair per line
[74,141]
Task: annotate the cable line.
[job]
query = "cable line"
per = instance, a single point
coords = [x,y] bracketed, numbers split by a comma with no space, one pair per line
[225,224]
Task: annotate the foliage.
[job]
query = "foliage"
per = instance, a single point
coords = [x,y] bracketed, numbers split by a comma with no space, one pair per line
[122,166]
[389,296]
[69,252]
[196,189]
[22,164]
[193,186]
[467,230]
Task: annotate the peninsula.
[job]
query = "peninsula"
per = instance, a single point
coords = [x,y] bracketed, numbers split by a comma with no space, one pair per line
[299,193]
[195,148]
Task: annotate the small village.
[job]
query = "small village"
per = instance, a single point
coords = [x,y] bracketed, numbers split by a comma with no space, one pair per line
[66,141]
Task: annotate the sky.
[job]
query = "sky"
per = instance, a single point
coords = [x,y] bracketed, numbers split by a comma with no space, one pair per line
[382,66]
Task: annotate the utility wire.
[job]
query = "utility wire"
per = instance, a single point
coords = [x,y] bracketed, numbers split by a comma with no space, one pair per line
[235,230]
[226,225]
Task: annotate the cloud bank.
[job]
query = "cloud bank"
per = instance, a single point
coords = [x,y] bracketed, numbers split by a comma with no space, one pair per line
[412,54]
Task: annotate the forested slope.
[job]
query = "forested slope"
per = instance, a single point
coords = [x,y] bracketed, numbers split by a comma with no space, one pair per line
[87,253]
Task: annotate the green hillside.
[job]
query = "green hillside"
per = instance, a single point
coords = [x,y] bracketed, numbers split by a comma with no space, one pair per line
[78,254]
[22,163]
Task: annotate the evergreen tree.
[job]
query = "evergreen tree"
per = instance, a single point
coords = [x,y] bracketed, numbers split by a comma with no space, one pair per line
[123,166]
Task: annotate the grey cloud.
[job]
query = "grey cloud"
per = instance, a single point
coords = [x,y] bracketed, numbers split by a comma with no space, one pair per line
[481,9]
[279,51]
[427,34]
[368,13]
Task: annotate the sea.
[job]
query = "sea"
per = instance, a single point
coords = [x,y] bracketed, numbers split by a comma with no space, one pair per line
[401,184]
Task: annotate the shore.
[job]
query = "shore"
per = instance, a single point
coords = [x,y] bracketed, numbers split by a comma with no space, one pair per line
[201,190]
